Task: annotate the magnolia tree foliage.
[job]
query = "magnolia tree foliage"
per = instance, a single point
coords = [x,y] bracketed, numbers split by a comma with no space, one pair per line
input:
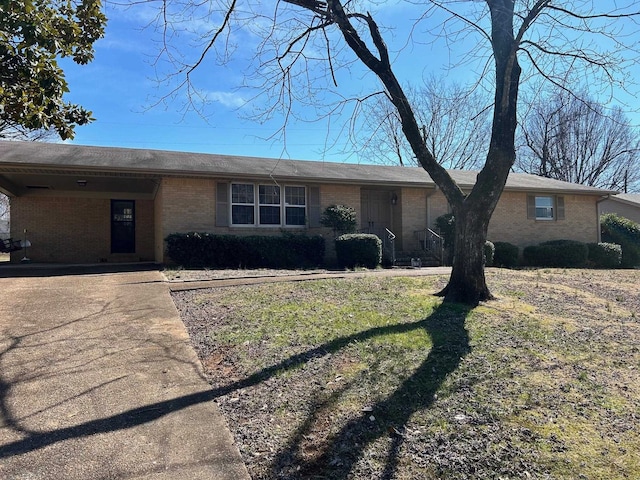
[305,49]
[34,34]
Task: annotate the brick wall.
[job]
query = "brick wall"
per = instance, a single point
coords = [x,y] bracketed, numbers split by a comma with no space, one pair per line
[509,222]
[71,230]
[438,206]
[414,216]
[186,205]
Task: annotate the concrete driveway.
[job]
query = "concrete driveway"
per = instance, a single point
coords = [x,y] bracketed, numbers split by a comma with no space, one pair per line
[98,381]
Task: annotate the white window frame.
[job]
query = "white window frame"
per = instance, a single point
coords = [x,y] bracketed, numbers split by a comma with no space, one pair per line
[242,204]
[265,204]
[296,206]
[258,204]
[549,208]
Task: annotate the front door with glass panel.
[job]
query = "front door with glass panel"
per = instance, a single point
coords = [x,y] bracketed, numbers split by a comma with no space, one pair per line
[123,227]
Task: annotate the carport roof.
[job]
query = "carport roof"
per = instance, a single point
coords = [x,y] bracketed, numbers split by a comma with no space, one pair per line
[37,158]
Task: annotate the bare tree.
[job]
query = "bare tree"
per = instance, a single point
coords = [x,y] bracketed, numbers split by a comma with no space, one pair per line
[4,206]
[13,131]
[549,38]
[455,125]
[572,138]
[4,215]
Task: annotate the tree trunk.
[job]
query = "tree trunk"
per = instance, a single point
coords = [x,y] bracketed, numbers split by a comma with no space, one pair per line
[467,283]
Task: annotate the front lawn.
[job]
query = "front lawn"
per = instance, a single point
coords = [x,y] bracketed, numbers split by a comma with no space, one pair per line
[372,378]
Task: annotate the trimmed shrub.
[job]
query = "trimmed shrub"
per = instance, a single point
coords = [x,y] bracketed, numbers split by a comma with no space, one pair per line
[505,255]
[605,255]
[199,250]
[489,253]
[340,218]
[359,249]
[624,232]
[557,253]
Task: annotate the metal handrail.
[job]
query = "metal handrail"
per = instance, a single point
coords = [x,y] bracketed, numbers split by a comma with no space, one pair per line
[431,242]
[390,234]
[390,241]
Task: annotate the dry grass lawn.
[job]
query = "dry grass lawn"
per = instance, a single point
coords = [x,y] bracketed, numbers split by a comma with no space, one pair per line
[373,378]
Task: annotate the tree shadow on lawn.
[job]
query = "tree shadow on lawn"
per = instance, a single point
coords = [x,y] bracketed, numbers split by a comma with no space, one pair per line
[450,343]
[341,452]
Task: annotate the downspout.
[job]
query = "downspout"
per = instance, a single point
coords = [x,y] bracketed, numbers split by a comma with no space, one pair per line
[602,199]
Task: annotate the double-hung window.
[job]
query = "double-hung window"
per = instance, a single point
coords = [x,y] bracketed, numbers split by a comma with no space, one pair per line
[242,204]
[269,205]
[545,207]
[269,196]
[295,201]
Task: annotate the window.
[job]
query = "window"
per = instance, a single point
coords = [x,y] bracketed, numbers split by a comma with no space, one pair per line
[295,205]
[265,205]
[544,208]
[242,204]
[269,204]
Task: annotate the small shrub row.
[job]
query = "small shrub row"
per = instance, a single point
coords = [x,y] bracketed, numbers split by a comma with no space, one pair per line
[624,232]
[232,251]
[557,253]
[358,250]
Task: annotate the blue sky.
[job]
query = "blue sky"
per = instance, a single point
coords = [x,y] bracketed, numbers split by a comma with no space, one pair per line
[119,86]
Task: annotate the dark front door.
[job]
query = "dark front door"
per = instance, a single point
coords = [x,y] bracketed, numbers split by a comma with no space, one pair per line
[376,211]
[123,226]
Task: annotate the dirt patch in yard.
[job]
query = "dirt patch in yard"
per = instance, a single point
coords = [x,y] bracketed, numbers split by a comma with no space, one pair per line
[372,378]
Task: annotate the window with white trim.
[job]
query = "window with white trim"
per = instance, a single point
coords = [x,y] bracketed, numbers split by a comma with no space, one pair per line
[269,198]
[242,204]
[295,201]
[544,208]
[265,205]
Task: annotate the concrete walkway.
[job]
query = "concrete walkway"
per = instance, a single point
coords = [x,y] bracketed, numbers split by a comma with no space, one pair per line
[98,381]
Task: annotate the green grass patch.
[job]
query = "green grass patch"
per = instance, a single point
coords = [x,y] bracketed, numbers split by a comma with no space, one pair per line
[357,377]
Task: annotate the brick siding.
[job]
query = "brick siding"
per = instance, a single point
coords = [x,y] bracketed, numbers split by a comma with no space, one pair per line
[72,229]
[509,222]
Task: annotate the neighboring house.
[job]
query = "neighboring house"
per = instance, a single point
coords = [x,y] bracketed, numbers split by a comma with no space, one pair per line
[96,204]
[626,205]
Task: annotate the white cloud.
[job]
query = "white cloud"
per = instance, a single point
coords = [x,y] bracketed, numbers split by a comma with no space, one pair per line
[228,99]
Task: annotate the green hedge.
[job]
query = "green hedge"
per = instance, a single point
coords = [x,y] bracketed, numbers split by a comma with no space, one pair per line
[506,255]
[200,250]
[624,232]
[605,255]
[557,253]
[358,250]
[340,218]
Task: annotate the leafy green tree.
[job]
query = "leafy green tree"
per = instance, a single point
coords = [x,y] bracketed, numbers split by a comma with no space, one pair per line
[34,34]
[340,218]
